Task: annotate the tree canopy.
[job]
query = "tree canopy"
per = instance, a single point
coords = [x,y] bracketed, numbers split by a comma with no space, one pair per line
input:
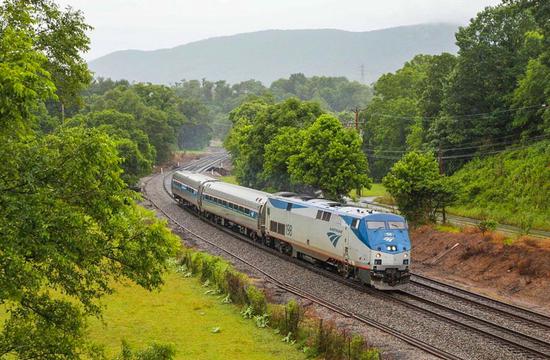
[419,190]
[330,158]
[69,224]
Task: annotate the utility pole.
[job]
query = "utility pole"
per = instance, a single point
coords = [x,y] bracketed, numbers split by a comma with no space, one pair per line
[356,111]
[359,190]
[440,161]
[441,172]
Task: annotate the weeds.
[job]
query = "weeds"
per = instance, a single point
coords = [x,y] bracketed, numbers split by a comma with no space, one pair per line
[262,320]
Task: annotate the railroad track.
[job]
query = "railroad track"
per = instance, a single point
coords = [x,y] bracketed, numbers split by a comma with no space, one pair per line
[518,313]
[524,345]
[296,291]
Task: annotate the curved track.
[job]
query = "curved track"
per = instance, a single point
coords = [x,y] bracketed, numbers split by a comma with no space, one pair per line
[525,345]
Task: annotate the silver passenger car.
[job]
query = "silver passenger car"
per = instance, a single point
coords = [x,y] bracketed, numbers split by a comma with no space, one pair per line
[239,205]
[186,186]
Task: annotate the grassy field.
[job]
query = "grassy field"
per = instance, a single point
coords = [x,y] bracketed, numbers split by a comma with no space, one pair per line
[375,190]
[183,315]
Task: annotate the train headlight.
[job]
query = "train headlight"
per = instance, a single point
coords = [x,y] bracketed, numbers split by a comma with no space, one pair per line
[405,255]
[378,255]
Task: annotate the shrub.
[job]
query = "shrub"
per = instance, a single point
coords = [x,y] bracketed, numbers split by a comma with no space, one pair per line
[487,225]
[236,284]
[329,342]
[256,299]
[476,250]
[152,352]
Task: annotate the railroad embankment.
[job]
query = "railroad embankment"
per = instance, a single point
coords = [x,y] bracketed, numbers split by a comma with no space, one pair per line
[515,271]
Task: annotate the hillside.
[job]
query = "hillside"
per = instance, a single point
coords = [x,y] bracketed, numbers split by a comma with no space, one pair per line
[512,187]
[273,54]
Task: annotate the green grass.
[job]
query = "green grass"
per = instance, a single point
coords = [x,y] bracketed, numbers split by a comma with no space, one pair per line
[448,228]
[229,179]
[181,314]
[502,216]
[375,190]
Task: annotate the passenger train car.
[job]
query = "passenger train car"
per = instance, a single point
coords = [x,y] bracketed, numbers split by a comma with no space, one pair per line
[369,246]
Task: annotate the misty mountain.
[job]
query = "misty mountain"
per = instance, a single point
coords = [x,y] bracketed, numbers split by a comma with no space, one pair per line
[273,54]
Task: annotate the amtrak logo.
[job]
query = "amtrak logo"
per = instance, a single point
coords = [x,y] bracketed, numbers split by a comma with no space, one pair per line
[334,237]
[389,236]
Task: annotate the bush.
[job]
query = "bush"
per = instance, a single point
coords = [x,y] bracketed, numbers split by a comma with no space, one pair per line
[256,299]
[476,250]
[487,225]
[152,352]
[287,318]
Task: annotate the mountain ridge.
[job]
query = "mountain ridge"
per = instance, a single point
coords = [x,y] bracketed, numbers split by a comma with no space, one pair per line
[268,55]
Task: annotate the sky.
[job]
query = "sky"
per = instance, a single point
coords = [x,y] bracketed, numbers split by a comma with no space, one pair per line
[149,25]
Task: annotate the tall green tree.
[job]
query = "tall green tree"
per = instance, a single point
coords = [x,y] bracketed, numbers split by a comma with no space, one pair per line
[330,158]
[133,146]
[256,124]
[69,226]
[418,188]
[59,35]
[491,60]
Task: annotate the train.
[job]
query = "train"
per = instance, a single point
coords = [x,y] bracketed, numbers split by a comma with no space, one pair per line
[369,246]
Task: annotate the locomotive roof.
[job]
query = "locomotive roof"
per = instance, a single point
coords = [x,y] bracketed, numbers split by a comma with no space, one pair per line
[340,208]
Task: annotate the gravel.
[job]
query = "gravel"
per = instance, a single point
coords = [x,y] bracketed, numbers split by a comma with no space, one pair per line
[451,338]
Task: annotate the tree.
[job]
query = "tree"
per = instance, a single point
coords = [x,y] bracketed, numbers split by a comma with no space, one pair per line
[133,146]
[69,225]
[256,124]
[155,111]
[330,158]
[491,60]
[58,35]
[419,190]
[277,156]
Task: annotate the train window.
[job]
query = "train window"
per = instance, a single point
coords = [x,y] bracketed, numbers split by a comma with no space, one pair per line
[281,228]
[397,225]
[288,206]
[355,223]
[268,211]
[376,225]
[273,226]
[241,209]
[319,214]
[326,216]
[224,203]
[247,211]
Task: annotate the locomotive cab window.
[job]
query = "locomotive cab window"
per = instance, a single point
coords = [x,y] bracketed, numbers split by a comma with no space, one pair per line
[319,215]
[355,223]
[376,225]
[397,225]
[326,216]
[288,206]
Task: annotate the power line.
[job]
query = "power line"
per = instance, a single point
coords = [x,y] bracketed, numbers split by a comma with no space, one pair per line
[457,117]
[509,142]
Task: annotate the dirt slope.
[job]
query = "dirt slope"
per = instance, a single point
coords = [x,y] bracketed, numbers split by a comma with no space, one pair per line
[517,273]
